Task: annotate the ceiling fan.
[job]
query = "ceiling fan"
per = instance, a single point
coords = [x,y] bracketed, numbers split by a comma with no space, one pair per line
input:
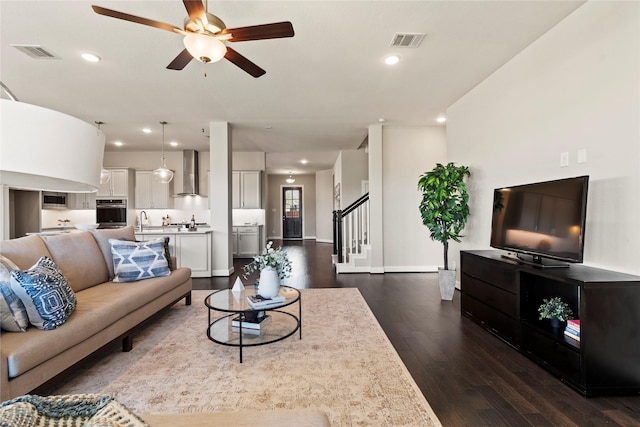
[205,36]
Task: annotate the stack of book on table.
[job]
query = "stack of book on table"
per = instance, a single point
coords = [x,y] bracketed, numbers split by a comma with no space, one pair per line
[254,326]
[573,329]
[257,302]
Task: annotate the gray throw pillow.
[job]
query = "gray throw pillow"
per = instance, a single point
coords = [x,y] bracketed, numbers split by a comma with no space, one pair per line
[13,314]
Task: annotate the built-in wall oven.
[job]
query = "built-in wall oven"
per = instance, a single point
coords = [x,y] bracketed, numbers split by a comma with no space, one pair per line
[111,213]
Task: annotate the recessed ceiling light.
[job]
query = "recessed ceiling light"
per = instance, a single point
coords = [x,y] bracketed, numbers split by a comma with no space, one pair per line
[146,130]
[268,127]
[118,143]
[441,119]
[391,59]
[90,57]
[382,120]
[304,161]
[173,144]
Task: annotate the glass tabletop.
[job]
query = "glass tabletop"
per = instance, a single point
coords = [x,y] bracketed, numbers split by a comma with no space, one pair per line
[234,302]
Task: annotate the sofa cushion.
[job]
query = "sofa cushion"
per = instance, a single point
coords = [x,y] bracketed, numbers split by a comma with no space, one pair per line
[45,293]
[24,251]
[134,261]
[79,257]
[13,314]
[97,309]
[102,237]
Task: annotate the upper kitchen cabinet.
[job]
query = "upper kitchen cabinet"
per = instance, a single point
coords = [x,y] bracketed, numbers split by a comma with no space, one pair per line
[247,189]
[151,194]
[81,201]
[120,183]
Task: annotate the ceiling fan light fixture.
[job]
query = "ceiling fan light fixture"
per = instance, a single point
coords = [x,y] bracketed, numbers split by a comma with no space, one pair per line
[204,48]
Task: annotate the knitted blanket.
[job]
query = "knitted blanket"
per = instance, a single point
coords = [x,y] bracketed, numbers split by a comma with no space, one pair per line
[86,410]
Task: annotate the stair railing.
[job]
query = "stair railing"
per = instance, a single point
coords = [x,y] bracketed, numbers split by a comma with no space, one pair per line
[351,229]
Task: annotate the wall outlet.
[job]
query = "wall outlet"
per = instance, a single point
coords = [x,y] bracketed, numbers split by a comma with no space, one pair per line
[564,159]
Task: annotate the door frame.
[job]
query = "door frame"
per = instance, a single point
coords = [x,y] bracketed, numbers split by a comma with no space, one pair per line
[282,186]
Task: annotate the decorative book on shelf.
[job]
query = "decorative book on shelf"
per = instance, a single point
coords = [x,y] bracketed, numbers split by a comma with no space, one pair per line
[257,302]
[259,323]
[573,329]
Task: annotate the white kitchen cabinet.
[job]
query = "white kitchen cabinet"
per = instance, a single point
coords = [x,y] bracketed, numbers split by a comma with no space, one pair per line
[118,184]
[191,250]
[151,194]
[81,200]
[246,187]
[172,240]
[246,241]
[194,251]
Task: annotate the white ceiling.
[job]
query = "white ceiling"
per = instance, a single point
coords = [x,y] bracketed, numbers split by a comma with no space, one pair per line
[323,87]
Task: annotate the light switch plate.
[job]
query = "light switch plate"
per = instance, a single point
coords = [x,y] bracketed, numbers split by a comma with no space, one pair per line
[564,159]
[582,155]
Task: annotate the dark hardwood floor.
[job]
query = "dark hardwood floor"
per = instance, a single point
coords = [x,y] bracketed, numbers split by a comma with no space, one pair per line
[468,376]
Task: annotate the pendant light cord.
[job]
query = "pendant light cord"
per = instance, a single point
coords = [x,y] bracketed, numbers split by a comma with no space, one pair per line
[163,158]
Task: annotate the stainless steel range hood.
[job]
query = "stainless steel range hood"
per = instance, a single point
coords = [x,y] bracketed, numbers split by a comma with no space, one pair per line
[190,177]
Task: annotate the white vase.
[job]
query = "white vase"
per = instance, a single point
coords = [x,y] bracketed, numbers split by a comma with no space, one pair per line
[269,282]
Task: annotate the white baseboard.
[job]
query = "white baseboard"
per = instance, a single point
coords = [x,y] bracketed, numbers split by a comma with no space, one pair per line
[222,273]
[324,241]
[410,269]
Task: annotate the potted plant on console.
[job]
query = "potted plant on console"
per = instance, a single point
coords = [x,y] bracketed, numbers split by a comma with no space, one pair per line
[444,209]
[556,310]
[274,265]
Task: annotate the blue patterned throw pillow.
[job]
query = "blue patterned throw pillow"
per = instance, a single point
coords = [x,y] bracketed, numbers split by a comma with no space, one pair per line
[13,314]
[134,261]
[45,293]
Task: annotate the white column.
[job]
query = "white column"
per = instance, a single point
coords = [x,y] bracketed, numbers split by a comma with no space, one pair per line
[220,194]
[375,198]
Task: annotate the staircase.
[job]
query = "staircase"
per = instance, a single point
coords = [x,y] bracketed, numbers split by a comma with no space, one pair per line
[351,246]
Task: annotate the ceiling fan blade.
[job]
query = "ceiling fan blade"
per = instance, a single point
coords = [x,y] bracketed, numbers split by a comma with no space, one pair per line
[260,32]
[136,19]
[244,63]
[195,9]
[180,61]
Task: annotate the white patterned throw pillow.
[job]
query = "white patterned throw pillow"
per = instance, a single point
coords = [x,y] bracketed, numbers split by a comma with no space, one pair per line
[13,314]
[45,293]
[134,261]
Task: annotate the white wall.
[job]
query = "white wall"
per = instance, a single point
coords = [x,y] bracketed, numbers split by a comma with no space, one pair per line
[408,152]
[354,166]
[324,206]
[577,87]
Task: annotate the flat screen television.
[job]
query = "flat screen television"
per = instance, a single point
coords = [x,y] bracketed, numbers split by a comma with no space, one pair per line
[544,221]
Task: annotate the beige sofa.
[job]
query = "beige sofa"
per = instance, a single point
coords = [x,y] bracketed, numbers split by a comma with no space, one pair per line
[106,311]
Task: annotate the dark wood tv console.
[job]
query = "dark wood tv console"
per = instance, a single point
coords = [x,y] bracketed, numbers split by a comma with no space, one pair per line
[503,296]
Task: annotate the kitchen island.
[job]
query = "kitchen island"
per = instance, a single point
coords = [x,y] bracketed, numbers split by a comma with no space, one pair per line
[191,248]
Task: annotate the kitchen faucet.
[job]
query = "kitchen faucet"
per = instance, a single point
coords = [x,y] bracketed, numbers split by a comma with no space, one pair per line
[145,217]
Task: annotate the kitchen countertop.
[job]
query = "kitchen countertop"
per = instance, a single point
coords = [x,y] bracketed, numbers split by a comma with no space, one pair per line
[172,230]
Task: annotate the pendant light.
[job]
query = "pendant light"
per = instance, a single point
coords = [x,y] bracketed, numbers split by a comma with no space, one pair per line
[290,180]
[105,176]
[163,174]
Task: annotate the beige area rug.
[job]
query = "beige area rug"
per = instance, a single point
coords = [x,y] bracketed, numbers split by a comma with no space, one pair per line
[344,365]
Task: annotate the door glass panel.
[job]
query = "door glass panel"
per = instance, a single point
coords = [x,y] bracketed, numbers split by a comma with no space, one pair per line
[292,203]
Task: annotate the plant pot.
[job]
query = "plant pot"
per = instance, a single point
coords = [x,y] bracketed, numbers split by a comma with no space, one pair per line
[269,282]
[557,323]
[447,282]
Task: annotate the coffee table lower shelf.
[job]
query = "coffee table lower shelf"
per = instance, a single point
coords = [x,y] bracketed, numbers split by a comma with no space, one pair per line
[282,326]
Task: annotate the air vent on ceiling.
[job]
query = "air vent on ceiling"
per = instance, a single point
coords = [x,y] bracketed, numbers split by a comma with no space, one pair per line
[35,51]
[412,40]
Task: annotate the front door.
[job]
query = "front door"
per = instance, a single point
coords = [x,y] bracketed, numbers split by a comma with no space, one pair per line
[292,212]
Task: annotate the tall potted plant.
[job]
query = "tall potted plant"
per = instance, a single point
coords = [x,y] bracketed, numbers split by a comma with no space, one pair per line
[444,209]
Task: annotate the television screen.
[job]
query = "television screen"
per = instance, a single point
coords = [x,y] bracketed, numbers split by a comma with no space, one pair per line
[545,219]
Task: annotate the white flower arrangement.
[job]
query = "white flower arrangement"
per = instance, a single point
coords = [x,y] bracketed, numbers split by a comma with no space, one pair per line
[274,258]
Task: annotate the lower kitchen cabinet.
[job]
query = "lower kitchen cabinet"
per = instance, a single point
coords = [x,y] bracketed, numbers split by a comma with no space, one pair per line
[191,250]
[246,241]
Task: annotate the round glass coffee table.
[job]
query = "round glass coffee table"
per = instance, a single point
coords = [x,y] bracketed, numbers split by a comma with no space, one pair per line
[229,329]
